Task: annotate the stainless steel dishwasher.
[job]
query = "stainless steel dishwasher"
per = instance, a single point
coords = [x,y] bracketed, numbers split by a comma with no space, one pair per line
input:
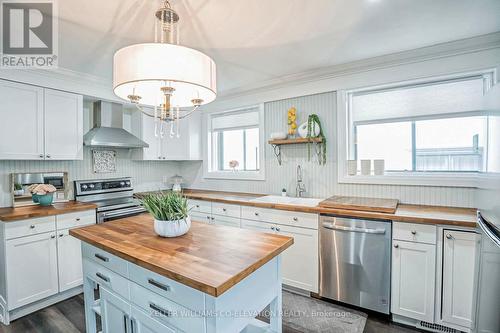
[355,261]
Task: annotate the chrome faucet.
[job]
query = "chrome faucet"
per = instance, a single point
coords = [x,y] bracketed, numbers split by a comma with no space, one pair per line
[300,188]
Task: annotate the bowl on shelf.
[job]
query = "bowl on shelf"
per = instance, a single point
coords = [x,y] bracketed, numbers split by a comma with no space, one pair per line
[278,136]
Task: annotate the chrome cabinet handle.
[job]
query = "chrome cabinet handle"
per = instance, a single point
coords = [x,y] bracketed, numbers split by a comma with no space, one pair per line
[295,219]
[132,323]
[353,229]
[278,229]
[32,226]
[102,276]
[224,209]
[158,309]
[41,155]
[273,228]
[256,214]
[100,257]
[52,236]
[61,235]
[449,236]
[77,219]
[413,232]
[48,156]
[159,285]
[396,246]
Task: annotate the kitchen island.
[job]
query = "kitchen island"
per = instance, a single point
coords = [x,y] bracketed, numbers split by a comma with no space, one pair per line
[213,279]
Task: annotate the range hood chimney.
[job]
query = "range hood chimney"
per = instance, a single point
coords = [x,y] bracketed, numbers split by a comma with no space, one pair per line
[108,128]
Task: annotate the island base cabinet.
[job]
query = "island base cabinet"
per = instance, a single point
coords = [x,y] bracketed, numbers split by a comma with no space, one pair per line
[115,313]
[413,280]
[458,281]
[31,269]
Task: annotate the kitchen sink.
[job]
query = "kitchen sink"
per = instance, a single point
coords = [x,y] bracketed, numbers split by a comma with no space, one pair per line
[276,199]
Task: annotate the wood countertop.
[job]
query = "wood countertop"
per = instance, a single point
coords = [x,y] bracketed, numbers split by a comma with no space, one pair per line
[11,214]
[464,217]
[209,258]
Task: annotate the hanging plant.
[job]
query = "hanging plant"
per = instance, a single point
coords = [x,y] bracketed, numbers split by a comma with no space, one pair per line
[312,122]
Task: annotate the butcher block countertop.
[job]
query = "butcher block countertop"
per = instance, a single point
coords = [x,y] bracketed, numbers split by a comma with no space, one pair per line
[359,203]
[464,217]
[12,214]
[209,258]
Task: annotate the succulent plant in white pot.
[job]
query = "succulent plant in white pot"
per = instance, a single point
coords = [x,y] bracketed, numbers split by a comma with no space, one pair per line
[170,211]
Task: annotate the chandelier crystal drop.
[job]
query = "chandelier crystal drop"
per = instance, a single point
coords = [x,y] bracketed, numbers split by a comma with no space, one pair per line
[174,79]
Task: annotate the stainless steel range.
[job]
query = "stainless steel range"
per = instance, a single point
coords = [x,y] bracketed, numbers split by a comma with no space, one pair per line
[113,197]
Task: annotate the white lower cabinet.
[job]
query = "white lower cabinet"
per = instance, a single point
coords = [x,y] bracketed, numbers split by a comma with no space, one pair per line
[115,312]
[31,269]
[458,280]
[69,254]
[413,280]
[143,323]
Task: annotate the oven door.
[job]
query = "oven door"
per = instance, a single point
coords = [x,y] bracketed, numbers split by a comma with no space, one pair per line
[119,214]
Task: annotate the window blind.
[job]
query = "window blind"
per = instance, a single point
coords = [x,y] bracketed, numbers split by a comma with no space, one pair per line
[238,119]
[432,99]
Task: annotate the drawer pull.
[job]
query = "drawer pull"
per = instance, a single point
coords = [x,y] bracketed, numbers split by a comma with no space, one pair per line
[413,232]
[197,206]
[159,285]
[160,310]
[102,277]
[61,235]
[52,236]
[32,226]
[256,214]
[449,236]
[101,257]
[224,209]
[77,219]
[295,219]
[272,228]
[278,229]
[396,246]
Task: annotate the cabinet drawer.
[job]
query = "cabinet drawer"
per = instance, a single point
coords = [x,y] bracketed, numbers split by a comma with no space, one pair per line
[200,217]
[106,277]
[226,210]
[199,206]
[77,219]
[177,292]
[166,311]
[412,232]
[30,227]
[296,219]
[105,259]
[227,221]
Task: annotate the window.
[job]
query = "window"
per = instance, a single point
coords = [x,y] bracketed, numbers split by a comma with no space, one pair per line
[235,144]
[426,128]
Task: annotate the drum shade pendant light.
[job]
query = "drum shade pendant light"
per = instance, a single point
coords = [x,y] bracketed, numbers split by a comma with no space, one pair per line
[174,79]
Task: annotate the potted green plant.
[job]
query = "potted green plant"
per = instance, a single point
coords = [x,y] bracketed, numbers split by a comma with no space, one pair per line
[312,132]
[170,211]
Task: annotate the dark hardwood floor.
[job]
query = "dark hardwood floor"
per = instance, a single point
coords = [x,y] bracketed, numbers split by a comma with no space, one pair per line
[68,317]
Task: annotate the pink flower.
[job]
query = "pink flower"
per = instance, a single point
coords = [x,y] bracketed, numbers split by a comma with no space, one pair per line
[234,164]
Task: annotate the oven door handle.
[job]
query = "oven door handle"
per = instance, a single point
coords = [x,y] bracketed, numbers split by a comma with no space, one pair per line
[353,229]
[122,213]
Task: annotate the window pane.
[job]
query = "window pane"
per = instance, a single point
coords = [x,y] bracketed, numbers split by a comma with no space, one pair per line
[252,149]
[232,150]
[455,144]
[390,141]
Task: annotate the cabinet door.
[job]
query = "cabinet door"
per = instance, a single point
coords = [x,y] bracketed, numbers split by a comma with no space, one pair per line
[259,226]
[176,148]
[63,125]
[153,152]
[115,313]
[304,251]
[21,127]
[31,269]
[144,323]
[413,280]
[459,253]
[69,253]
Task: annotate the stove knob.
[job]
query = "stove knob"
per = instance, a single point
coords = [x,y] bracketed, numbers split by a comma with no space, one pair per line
[127,183]
[84,187]
[91,185]
[122,184]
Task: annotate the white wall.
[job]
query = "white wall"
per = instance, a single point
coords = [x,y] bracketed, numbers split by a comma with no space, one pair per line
[321,181]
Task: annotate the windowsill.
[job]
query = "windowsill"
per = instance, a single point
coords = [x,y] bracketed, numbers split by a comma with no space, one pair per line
[420,179]
[236,175]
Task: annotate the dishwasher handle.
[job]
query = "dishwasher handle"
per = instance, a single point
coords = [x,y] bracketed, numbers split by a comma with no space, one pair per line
[331,226]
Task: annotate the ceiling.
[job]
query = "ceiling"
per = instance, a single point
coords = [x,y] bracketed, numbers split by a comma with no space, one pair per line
[261,40]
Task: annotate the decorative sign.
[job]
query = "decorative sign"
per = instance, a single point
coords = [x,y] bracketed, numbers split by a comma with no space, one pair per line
[104,161]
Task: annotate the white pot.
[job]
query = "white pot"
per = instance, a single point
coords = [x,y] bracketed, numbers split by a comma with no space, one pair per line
[303,130]
[366,167]
[172,228]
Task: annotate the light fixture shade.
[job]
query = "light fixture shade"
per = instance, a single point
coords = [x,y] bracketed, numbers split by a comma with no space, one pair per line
[142,69]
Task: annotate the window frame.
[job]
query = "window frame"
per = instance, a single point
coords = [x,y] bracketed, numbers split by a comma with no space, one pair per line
[208,171]
[346,129]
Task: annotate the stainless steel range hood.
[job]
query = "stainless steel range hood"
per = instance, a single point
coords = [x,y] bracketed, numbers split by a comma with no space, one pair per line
[108,129]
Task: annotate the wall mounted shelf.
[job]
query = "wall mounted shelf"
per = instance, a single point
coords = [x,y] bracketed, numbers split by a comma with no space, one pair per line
[278,143]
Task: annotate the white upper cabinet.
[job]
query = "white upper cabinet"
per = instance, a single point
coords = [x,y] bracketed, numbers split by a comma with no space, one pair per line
[63,125]
[169,148]
[458,285]
[40,123]
[21,125]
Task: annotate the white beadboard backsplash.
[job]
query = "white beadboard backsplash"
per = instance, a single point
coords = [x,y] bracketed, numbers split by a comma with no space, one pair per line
[320,181]
[146,175]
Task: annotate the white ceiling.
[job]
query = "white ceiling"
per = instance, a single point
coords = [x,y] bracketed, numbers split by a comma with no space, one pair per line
[259,40]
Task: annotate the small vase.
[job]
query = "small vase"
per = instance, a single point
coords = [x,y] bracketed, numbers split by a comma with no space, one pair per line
[46,199]
[172,228]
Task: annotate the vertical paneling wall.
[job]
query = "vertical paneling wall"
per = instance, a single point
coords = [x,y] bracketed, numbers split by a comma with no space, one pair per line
[320,181]
[146,175]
